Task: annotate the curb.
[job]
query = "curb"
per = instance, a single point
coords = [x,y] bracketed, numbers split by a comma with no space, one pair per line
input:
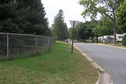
[104,76]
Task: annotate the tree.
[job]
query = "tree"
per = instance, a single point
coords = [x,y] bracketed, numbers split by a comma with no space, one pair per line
[104,27]
[37,23]
[104,7]
[91,25]
[8,15]
[23,16]
[121,17]
[70,33]
[60,30]
[124,40]
[82,31]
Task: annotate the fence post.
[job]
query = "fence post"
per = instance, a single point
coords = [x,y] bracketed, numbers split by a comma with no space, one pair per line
[36,42]
[7,45]
[49,39]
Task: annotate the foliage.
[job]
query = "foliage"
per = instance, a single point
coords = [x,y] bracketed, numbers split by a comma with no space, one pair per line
[121,17]
[90,26]
[104,27]
[84,30]
[70,33]
[59,27]
[23,16]
[104,7]
[75,33]
[7,16]
[124,40]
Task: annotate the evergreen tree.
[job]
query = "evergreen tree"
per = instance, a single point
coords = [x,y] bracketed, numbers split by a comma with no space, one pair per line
[23,16]
[60,30]
[8,15]
[38,24]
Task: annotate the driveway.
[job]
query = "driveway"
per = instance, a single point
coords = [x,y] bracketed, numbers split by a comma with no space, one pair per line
[112,59]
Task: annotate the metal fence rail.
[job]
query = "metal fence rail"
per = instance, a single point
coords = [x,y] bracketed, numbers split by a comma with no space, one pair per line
[14,45]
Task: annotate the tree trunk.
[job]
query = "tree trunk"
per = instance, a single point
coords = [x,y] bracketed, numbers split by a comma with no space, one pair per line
[96,39]
[92,39]
[115,33]
[114,25]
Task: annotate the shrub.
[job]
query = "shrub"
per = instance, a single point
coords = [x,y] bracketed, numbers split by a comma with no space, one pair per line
[124,40]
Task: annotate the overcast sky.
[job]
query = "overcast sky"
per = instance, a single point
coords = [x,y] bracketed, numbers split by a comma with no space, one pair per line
[72,10]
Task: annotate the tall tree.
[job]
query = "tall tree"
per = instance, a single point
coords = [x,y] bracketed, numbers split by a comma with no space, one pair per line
[8,15]
[23,16]
[105,7]
[121,18]
[37,23]
[60,30]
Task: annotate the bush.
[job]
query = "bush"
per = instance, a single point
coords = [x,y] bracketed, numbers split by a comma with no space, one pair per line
[124,40]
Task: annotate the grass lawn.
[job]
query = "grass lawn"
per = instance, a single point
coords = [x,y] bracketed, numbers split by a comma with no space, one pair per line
[119,44]
[58,66]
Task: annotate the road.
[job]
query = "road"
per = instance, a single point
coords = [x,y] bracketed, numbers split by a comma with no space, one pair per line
[112,59]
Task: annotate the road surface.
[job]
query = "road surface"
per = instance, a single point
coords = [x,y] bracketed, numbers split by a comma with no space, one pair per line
[112,59]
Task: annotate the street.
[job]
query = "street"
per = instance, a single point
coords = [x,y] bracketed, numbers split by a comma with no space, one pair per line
[112,59]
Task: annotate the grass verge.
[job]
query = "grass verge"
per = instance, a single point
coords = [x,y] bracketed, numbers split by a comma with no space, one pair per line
[58,66]
[119,44]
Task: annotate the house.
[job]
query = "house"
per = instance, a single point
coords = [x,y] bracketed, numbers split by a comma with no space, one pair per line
[110,38]
[107,38]
[119,37]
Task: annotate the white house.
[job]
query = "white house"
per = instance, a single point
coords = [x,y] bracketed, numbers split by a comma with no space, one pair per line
[110,38]
[107,38]
[119,37]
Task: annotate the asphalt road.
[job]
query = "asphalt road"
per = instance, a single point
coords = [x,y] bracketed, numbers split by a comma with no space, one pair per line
[112,59]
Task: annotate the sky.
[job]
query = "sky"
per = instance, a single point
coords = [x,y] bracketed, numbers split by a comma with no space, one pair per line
[72,10]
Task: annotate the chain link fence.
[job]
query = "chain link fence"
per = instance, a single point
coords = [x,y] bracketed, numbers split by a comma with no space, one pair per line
[13,46]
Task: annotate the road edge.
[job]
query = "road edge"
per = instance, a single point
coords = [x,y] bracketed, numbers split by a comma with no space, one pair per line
[104,76]
[119,47]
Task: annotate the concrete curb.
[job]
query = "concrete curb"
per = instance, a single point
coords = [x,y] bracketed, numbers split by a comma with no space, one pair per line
[104,76]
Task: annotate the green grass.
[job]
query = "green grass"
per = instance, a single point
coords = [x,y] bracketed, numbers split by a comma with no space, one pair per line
[119,44]
[58,66]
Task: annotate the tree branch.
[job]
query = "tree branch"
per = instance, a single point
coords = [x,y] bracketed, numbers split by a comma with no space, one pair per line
[108,16]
